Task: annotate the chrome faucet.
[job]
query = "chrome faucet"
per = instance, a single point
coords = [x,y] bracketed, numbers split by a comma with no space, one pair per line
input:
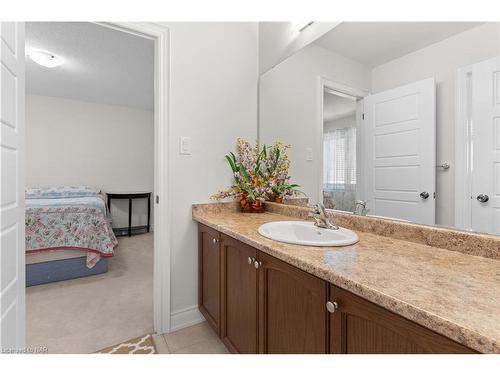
[321,220]
[361,204]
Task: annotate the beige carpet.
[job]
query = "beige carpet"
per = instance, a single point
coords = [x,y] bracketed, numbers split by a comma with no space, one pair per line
[139,345]
[88,314]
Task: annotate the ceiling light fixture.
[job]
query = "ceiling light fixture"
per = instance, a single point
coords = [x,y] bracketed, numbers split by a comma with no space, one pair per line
[44,58]
[301,26]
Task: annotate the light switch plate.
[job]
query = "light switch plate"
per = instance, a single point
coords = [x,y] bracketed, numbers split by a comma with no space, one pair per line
[309,154]
[185,145]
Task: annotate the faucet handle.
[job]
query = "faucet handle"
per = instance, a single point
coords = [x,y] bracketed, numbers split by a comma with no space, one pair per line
[361,203]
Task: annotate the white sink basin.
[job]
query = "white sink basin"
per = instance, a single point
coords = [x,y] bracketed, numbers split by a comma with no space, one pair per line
[306,233]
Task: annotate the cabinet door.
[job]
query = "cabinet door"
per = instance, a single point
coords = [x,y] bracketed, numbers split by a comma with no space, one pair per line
[239,296]
[209,275]
[293,317]
[361,327]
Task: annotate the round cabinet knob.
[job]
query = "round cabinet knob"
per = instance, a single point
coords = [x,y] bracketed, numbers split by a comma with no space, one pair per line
[256,264]
[250,260]
[424,195]
[483,198]
[332,306]
[215,240]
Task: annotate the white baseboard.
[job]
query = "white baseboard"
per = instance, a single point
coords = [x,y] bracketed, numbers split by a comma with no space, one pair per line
[185,318]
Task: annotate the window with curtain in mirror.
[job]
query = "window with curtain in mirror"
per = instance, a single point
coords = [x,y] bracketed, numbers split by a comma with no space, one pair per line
[339,168]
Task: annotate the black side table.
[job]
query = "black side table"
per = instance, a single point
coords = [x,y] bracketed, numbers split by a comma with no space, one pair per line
[130,196]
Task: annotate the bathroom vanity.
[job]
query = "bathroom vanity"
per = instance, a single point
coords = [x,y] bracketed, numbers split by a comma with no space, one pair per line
[370,134]
[381,295]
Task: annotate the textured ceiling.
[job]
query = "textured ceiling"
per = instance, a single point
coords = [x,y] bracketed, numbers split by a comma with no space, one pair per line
[102,65]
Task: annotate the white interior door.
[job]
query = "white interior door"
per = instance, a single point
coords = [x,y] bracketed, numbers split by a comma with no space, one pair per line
[400,152]
[485,210]
[12,275]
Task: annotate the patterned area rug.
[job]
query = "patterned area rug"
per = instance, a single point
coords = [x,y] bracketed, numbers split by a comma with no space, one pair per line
[139,345]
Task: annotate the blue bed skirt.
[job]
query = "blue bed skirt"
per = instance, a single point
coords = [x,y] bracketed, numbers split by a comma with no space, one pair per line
[63,269]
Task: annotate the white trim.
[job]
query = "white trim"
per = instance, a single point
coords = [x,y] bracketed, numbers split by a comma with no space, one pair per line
[185,318]
[463,178]
[162,238]
[360,151]
[129,28]
[343,89]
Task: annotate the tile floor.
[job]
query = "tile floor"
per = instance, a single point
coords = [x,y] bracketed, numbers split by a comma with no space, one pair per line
[197,339]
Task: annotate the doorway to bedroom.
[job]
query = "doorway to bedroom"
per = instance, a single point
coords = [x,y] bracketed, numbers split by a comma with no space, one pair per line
[90,160]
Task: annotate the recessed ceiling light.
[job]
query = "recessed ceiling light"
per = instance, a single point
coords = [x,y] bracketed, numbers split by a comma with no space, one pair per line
[44,58]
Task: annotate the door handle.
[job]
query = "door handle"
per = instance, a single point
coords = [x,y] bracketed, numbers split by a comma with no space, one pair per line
[483,198]
[424,195]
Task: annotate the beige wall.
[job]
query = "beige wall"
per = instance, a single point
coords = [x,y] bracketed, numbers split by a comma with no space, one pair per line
[213,99]
[441,61]
[340,123]
[70,142]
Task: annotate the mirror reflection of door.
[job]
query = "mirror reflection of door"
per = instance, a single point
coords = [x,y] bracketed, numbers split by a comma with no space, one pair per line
[400,152]
[339,150]
[478,147]
[486,157]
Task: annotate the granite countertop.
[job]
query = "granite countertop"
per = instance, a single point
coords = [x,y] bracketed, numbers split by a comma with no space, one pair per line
[454,294]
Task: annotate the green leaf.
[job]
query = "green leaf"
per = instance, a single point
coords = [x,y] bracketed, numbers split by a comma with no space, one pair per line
[231,164]
[245,173]
[233,157]
[251,195]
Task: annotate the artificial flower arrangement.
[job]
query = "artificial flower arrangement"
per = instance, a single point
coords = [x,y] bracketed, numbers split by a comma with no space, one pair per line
[259,174]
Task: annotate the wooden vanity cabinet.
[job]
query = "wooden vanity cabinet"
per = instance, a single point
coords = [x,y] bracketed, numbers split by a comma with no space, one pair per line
[358,326]
[239,297]
[292,313]
[259,304]
[209,275]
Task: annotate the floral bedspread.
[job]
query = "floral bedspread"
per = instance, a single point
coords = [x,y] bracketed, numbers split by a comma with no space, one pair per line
[76,227]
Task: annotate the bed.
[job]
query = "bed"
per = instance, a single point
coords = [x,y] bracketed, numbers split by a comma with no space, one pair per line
[68,234]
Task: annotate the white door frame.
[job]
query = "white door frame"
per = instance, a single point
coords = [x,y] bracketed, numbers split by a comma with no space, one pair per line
[463,142]
[162,237]
[343,89]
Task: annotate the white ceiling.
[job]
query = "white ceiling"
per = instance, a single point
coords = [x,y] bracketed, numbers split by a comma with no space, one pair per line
[375,43]
[102,65]
[335,107]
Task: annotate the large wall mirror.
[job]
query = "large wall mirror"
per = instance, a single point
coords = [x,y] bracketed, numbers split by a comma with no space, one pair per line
[394,119]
